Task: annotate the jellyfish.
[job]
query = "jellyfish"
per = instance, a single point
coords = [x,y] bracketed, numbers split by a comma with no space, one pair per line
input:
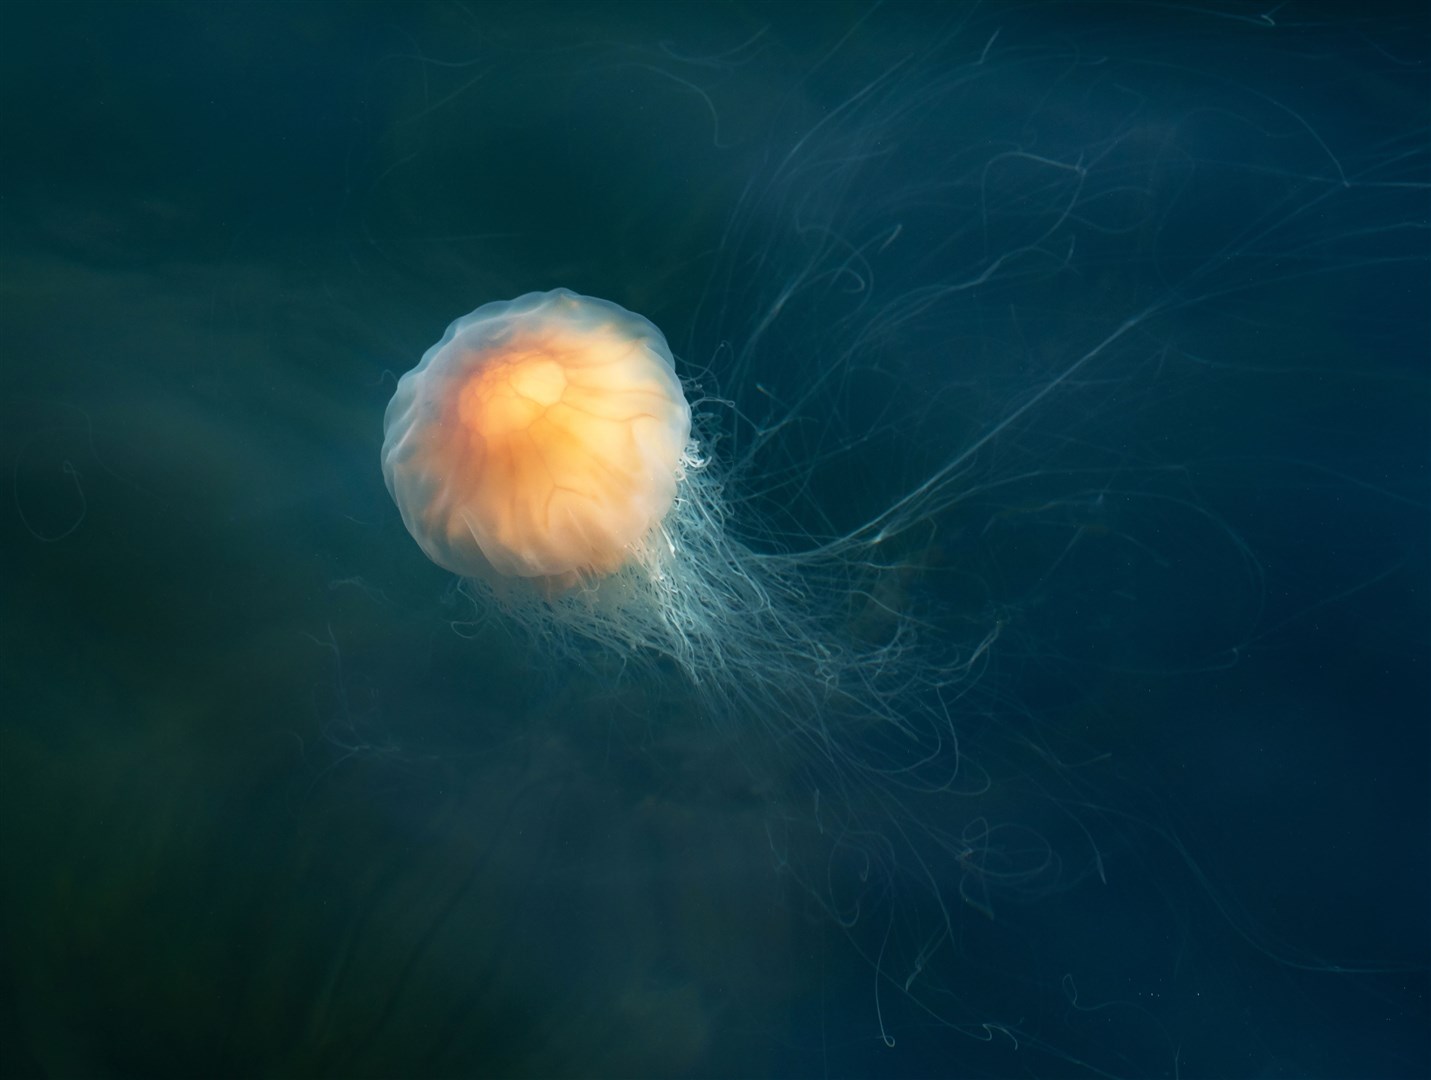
[542,450]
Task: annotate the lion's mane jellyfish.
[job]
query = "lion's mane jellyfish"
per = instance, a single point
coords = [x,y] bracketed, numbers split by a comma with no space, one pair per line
[542,450]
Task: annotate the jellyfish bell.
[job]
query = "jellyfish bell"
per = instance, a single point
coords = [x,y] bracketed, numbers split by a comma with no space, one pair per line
[542,438]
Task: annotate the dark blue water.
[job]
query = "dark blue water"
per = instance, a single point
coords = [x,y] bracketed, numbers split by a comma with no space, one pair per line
[278,801]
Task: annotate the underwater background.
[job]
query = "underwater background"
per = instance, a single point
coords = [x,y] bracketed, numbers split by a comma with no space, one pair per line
[275,800]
